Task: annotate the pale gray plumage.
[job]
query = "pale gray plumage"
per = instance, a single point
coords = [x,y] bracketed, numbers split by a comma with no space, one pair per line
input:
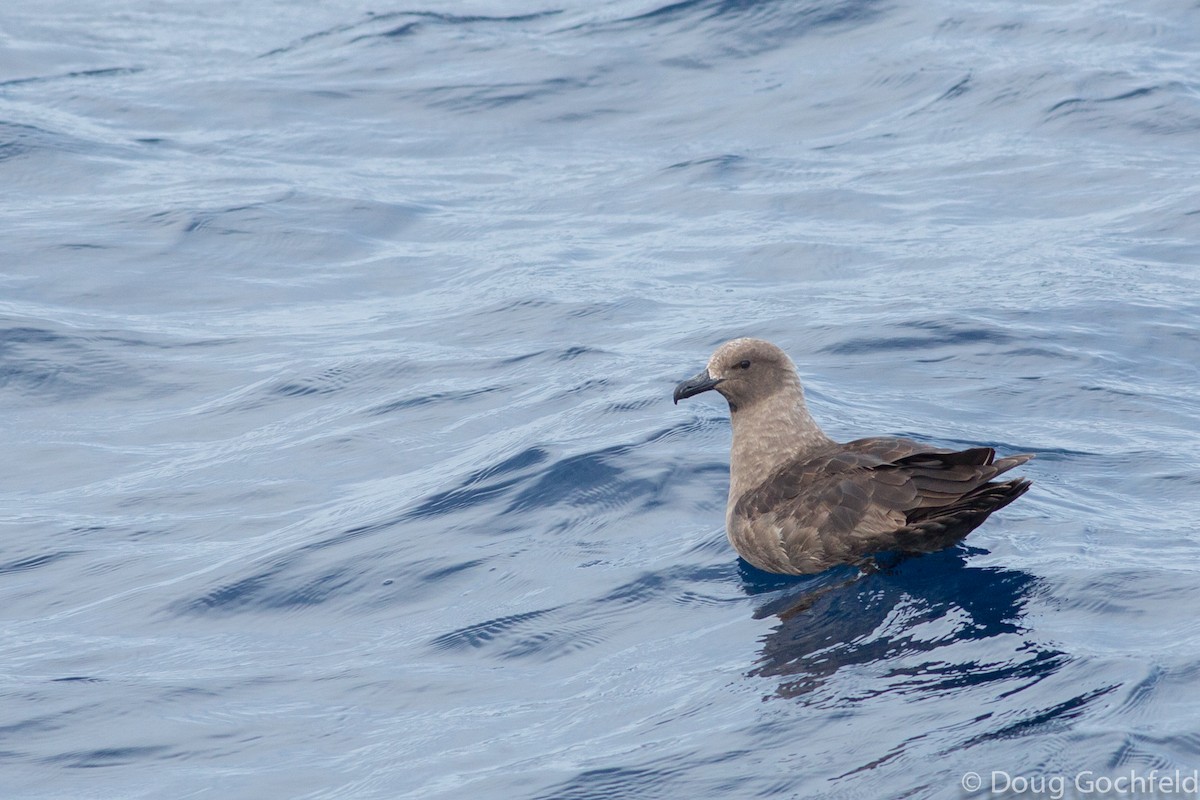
[800,502]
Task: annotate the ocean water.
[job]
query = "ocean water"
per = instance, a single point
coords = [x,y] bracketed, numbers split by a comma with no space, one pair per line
[337,343]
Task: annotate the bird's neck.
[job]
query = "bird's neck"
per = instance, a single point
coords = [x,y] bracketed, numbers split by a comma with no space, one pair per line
[769,433]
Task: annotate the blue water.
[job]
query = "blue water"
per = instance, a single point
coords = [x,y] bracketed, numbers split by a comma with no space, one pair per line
[337,343]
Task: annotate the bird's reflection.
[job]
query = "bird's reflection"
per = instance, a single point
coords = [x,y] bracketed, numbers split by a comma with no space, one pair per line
[888,610]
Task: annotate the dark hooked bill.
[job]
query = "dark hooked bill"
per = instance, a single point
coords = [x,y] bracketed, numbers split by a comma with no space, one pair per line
[695,385]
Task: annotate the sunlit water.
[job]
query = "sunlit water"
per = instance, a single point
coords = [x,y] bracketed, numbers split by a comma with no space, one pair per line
[336,350]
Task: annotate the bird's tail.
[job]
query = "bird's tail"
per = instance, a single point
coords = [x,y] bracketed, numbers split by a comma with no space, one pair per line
[948,524]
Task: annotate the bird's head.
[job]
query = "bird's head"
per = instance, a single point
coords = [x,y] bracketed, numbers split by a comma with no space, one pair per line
[744,371]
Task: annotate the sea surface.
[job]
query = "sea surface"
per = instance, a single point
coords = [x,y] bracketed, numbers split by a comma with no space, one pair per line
[337,342]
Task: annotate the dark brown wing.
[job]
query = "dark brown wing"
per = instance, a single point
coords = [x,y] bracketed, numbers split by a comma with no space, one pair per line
[867,496]
[889,448]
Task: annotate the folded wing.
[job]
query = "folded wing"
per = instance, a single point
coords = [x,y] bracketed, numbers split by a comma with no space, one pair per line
[870,495]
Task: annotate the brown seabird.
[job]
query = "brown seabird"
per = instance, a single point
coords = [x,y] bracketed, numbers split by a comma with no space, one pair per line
[800,502]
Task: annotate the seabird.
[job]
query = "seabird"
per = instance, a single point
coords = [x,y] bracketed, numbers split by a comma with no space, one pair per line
[800,503]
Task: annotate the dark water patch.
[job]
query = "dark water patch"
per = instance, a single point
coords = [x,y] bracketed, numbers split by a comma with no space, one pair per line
[718,575]
[721,163]
[611,310]
[572,353]
[419,20]
[955,91]
[634,405]
[1142,92]
[296,390]
[82,245]
[1151,750]
[838,624]
[236,219]
[715,541]
[572,117]
[668,12]
[107,72]
[484,97]
[265,591]
[43,363]
[652,586]
[1029,667]
[897,751]
[462,498]
[727,171]
[715,9]
[637,591]
[309,576]
[17,139]
[442,573]
[1159,109]
[601,477]
[547,645]
[685,427]
[476,636]
[466,19]
[612,783]
[354,532]
[1048,720]
[586,480]
[693,598]
[232,596]
[551,633]
[33,562]
[21,140]
[791,588]
[107,757]
[10,150]
[310,38]
[1043,351]
[329,381]
[748,27]
[269,589]
[524,303]
[288,226]
[1141,694]
[941,334]
[435,398]
[586,387]
[553,319]
[394,33]
[393,585]
[313,592]
[28,727]
[1073,102]
[26,335]
[470,492]
[1136,752]
[518,359]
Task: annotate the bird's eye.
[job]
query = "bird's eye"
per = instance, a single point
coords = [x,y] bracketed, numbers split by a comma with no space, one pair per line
[744,365]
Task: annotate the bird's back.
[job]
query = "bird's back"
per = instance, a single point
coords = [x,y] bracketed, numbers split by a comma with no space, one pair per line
[846,501]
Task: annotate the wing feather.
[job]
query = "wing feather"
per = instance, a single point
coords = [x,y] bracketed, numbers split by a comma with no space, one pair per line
[866,496]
